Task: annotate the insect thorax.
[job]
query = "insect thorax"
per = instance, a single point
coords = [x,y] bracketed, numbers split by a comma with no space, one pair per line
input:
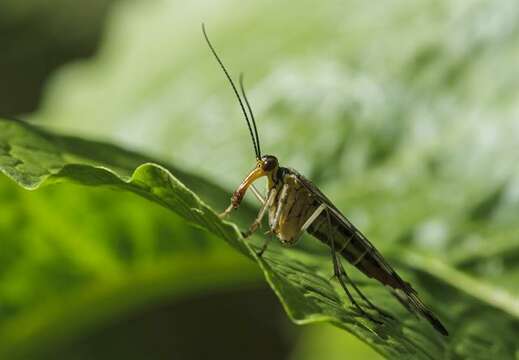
[292,206]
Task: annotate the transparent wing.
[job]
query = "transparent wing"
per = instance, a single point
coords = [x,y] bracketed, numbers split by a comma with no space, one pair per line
[364,256]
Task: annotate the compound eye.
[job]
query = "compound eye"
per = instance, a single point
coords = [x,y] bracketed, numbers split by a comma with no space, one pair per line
[269,164]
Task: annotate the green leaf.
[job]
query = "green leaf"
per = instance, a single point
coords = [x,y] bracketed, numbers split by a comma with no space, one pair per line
[98,256]
[33,157]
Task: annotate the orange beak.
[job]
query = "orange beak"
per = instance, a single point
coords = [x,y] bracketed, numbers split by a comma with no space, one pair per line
[242,189]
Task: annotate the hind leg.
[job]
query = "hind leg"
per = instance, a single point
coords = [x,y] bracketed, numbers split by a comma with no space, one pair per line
[357,290]
[340,274]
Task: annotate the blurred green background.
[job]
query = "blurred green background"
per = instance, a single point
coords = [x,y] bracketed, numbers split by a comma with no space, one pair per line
[405,113]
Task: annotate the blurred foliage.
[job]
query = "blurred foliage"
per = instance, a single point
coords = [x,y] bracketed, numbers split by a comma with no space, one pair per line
[38,36]
[330,342]
[404,113]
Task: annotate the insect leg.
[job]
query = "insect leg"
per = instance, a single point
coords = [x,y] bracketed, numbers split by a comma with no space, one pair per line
[364,298]
[226,212]
[280,206]
[256,224]
[258,195]
[265,244]
[277,216]
[310,221]
[339,271]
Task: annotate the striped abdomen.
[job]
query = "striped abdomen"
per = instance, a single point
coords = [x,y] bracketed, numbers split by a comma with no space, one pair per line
[352,245]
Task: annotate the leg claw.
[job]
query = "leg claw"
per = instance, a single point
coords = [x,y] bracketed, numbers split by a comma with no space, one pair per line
[226,212]
[260,253]
[370,318]
[251,230]
[384,313]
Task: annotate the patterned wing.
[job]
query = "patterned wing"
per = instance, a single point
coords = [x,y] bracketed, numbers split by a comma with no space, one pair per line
[361,253]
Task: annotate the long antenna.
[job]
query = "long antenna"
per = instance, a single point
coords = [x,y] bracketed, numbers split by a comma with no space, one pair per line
[242,88]
[256,146]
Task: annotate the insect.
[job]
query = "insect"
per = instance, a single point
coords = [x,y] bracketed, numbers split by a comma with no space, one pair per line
[295,205]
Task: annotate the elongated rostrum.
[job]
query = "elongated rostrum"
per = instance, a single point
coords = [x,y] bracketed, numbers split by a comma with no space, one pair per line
[295,205]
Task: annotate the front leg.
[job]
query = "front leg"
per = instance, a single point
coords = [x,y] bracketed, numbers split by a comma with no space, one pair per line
[275,220]
[226,212]
[257,223]
[233,204]
[236,199]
